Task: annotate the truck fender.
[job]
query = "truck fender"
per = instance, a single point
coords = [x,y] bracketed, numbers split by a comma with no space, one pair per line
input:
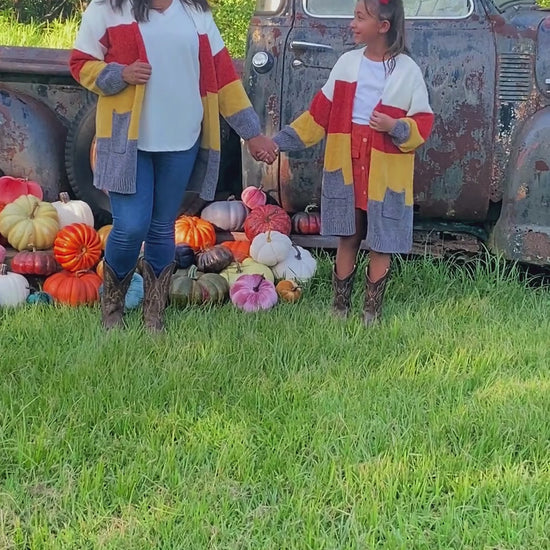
[522,231]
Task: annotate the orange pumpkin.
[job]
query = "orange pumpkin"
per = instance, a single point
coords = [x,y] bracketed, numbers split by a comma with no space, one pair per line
[103,233]
[73,289]
[240,249]
[289,291]
[99,269]
[77,247]
[196,232]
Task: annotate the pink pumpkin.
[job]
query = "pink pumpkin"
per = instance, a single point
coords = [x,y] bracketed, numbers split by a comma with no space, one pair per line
[12,188]
[253,197]
[253,293]
[2,254]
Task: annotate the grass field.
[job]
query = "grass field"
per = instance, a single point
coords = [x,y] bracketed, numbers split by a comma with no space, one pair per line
[285,430]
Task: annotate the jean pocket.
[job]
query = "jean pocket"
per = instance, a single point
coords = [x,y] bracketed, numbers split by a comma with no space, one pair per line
[119,136]
[393,206]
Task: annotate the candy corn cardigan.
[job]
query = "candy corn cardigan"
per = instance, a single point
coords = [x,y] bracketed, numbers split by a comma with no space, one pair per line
[107,41]
[390,185]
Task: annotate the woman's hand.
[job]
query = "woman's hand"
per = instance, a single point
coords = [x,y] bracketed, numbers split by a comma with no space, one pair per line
[381,122]
[138,72]
[263,148]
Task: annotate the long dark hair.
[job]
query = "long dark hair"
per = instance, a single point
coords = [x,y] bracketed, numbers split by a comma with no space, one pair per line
[141,8]
[393,12]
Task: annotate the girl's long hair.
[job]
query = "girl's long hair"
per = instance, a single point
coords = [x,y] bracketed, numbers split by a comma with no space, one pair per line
[141,7]
[394,13]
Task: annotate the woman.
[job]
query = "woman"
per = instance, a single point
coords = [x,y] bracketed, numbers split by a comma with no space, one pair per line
[163,77]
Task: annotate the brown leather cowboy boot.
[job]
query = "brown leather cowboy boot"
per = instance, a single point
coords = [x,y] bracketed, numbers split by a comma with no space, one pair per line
[112,297]
[155,295]
[341,302]
[374,298]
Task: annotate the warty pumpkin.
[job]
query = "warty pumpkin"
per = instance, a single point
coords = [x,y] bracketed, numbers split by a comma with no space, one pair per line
[269,217]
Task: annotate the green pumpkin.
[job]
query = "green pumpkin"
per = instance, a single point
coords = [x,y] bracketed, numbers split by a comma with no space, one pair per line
[40,298]
[192,287]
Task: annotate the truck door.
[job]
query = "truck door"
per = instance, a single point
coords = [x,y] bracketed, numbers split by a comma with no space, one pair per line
[452,42]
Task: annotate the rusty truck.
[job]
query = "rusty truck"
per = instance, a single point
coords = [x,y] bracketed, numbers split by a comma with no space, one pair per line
[483,176]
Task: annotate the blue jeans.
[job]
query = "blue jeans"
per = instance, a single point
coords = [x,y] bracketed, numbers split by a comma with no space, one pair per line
[149,214]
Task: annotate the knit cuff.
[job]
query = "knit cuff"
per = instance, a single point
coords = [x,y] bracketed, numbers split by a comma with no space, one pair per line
[288,140]
[401,132]
[110,80]
[246,123]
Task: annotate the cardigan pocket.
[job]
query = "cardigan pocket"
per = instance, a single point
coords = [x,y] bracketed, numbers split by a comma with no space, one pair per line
[393,206]
[119,135]
[334,186]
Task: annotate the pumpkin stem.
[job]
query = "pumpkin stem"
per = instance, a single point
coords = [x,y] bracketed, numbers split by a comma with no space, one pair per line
[3,269]
[34,209]
[192,273]
[257,287]
[298,255]
[64,197]
[239,267]
[310,207]
[268,238]
[231,198]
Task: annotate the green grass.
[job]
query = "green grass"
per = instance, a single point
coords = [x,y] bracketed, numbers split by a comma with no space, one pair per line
[288,429]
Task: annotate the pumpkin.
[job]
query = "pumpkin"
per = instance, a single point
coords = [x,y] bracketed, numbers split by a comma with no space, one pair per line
[35,262]
[103,234]
[266,218]
[72,211]
[253,293]
[77,247]
[184,256]
[12,188]
[3,254]
[73,289]
[214,259]
[226,215]
[99,269]
[307,222]
[28,221]
[270,248]
[196,232]
[246,267]
[14,288]
[299,265]
[253,197]
[39,298]
[288,291]
[134,294]
[240,249]
[191,287]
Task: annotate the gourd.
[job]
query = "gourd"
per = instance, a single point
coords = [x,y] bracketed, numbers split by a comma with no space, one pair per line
[72,211]
[191,287]
[253,197]
[194,231]
[226,215]
[269,217]
[253,293]
[29,221]
[73,289]
[214,260]
[14,288]
[288,291]
[270,248]
[247,267]
[77,247]
[307,222]
[299,265]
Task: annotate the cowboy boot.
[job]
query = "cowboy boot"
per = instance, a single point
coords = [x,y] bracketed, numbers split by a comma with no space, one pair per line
[341,302]
[156,291]
[112,297]
[374,298]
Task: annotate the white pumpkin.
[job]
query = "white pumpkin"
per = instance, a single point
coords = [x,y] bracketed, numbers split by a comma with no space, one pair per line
[14,288]
[270,248]
[299,265]
[226,215]
[70,211]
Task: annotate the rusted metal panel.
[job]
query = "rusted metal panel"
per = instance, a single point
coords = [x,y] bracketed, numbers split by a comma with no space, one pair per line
[34,61]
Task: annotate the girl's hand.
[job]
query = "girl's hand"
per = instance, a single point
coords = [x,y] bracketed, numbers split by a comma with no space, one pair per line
[381,122]
[136,73]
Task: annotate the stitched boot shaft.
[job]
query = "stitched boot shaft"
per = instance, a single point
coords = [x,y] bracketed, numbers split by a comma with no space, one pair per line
[342,288]
[112,297]
[374,298]
[156,291]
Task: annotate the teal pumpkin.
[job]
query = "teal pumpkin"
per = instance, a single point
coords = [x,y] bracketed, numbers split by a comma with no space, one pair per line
[134,294]
[40,298]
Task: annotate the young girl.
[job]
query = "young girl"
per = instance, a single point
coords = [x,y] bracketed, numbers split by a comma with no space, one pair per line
[374,111]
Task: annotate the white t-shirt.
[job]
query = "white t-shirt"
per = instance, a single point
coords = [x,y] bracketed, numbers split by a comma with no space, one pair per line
[172,109]
[370,85]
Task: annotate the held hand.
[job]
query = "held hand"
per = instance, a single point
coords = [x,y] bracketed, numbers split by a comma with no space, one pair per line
[136,73]
[263,149]
[381,122]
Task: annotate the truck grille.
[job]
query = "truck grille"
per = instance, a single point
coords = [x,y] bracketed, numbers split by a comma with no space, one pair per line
[515,77]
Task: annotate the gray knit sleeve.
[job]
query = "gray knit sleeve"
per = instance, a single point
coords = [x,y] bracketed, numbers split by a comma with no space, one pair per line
[401,132]
[110,80]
